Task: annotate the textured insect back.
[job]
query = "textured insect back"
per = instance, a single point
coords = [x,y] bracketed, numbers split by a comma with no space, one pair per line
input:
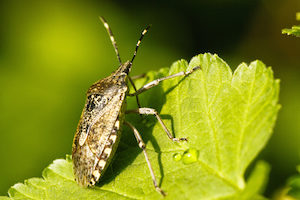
[99,128]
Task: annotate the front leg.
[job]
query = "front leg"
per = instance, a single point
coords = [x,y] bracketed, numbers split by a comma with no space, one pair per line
[157,81]
[151,111]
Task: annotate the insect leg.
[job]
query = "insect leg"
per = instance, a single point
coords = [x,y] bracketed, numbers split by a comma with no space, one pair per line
[151,111]
[138,76]
[142,145]
[137,98]
[132,83]
[157,81]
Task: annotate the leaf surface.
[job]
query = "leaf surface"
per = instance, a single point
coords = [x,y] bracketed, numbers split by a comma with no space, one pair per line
[294,185]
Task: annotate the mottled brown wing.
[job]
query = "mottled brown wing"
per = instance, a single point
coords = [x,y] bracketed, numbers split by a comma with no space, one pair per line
[100,95]
[86,157]
[96,105]
[102,128]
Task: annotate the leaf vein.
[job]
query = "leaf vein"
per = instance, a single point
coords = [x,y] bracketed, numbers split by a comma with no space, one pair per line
[241,138]
[212,126]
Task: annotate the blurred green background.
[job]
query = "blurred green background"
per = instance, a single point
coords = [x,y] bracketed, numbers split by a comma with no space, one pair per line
[52,51]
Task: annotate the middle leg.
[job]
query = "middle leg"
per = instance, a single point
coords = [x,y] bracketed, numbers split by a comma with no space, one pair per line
[151,111]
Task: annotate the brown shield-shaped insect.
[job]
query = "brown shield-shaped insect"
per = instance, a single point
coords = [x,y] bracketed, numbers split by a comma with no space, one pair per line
[99,128]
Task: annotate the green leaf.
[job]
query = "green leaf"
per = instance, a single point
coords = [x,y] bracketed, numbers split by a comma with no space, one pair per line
[295,30]
[294,184]
[228,118]
[256,182]
[4,198]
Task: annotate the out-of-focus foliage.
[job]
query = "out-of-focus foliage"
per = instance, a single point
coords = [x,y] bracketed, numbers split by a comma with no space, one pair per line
[294,184]
[295,30]
[52,51]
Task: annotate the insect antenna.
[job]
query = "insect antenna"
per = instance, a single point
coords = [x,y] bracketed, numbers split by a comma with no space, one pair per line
[139,41]
[112,38]
[134,54]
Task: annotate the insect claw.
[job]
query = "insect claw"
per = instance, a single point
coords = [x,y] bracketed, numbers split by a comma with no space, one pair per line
[160,191]
[183,139]
[179,139]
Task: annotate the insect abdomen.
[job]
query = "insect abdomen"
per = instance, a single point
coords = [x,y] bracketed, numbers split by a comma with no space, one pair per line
[111,145]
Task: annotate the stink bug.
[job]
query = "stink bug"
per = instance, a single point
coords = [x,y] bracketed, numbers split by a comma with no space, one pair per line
[100,125]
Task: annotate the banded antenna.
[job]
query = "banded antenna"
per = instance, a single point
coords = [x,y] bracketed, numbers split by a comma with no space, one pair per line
[112,38]
[114,43]
[139,41]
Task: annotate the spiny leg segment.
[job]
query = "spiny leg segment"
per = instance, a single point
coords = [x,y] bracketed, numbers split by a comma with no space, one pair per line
[151,111]
[142,145]
[157,81]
